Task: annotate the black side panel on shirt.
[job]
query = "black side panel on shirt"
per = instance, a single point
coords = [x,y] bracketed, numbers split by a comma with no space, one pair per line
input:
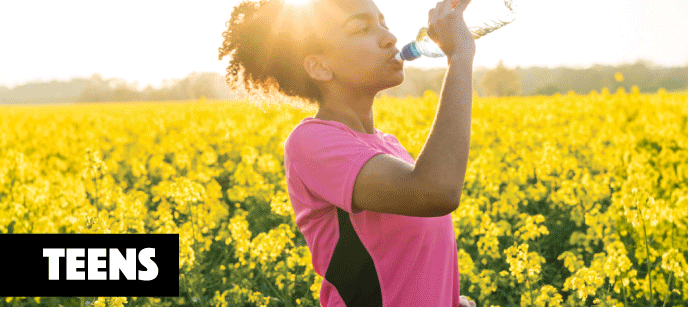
[351,269]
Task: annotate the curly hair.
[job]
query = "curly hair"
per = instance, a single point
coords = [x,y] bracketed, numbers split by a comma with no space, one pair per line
[266,44]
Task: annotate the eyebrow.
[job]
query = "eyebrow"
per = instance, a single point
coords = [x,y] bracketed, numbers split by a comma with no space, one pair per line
[363,16]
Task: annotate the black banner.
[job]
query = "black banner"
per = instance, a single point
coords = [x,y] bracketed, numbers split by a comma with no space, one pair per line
[79,265]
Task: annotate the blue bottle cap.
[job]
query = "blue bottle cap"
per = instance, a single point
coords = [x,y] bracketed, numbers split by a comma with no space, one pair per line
[409,52]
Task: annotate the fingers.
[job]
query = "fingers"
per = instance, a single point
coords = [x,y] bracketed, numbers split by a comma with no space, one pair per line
[464,302]
[461,5]
[437,9]
[446,8]
[433,13]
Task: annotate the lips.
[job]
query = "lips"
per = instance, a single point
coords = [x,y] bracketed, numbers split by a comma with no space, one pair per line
[397,64]
[395,61]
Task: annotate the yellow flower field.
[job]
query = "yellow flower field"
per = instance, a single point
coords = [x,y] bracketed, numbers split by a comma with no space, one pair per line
[569,200]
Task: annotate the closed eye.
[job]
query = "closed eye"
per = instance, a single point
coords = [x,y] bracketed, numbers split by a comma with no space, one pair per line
[365,29]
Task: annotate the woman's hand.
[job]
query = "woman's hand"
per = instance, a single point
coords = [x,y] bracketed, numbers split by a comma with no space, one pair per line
[448,30]
[464,302]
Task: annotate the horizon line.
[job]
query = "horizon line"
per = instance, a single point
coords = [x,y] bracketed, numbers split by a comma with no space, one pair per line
[648,63]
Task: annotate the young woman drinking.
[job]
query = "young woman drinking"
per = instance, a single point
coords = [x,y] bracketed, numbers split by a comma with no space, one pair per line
[376,221]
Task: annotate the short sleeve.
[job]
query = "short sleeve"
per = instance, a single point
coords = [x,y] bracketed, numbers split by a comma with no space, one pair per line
[327,160]
[395,139]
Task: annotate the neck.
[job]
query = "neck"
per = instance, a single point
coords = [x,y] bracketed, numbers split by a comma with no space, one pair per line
[353,109]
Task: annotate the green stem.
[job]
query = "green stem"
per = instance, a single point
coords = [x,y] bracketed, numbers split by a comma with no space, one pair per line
[625,297]
[625,292]
[95,182]
[195,294]
[607,294]
[279,294]
[670,273]
[186,285]
[196,262]
[668,286]
[529,287]
[507,297]
[649,274]
[189,212]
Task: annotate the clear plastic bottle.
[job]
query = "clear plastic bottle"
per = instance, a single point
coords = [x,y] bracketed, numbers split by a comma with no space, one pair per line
[502,11]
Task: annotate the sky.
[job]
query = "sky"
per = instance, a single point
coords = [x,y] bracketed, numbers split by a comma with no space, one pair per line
[149,41]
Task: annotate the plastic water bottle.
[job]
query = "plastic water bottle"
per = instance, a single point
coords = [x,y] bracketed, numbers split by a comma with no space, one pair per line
[502,11]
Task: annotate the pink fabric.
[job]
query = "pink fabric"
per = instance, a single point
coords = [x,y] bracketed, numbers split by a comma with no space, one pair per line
[416,258]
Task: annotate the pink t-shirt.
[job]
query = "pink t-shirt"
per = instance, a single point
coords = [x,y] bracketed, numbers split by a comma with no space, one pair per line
[366,258]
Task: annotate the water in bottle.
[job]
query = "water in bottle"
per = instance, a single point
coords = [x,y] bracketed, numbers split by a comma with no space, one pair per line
[483,17]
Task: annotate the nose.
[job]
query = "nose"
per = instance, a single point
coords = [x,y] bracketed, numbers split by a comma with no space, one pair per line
[388,39]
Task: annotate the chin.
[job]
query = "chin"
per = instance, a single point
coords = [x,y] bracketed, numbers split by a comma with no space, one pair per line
[399,80]
[392,81]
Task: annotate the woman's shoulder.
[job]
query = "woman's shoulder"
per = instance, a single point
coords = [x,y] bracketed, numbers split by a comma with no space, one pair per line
[309,132]
[311,128]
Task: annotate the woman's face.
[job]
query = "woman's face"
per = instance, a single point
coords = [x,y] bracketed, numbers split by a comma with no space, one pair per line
[359,47]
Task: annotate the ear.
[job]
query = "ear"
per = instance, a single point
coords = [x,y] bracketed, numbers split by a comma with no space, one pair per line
[316,68]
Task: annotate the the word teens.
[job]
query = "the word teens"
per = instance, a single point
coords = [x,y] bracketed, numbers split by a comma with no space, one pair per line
[116,262]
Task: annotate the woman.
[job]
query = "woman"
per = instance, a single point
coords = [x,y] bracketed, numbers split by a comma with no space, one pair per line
[377,223]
